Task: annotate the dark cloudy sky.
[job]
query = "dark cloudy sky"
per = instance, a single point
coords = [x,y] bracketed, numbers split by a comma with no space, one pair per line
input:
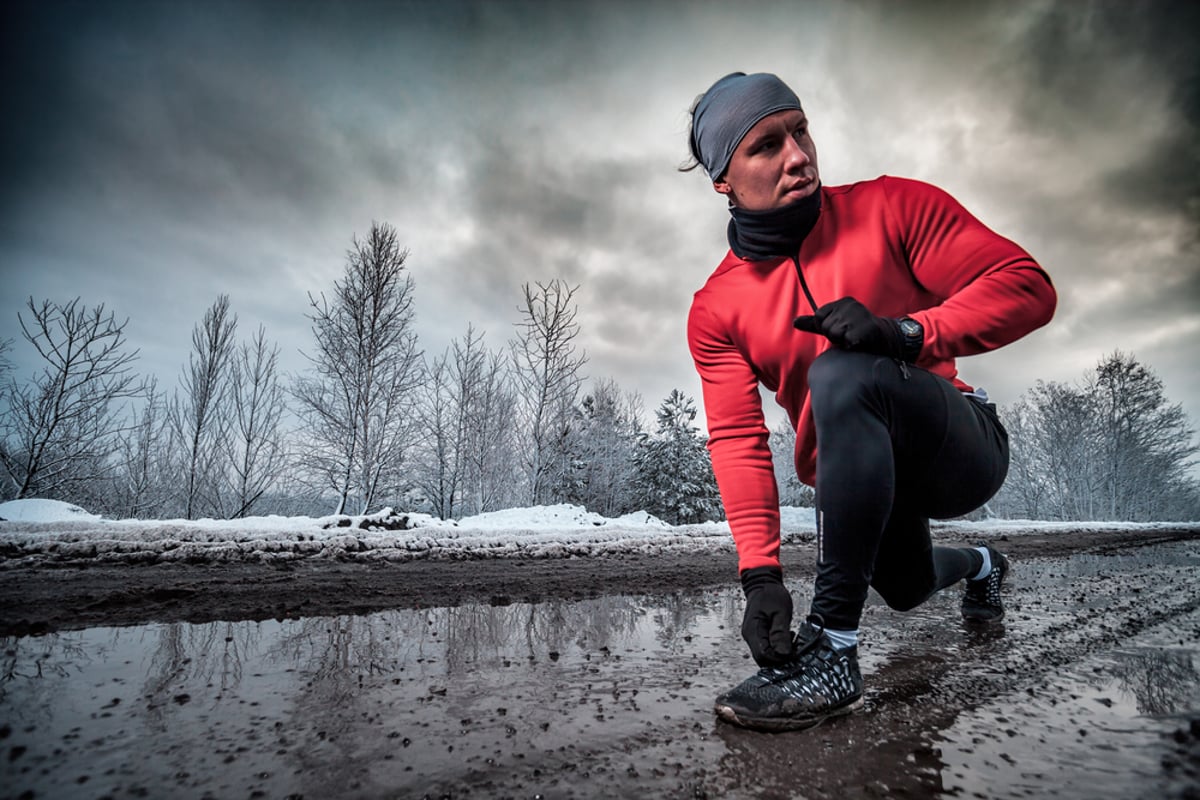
[157,154]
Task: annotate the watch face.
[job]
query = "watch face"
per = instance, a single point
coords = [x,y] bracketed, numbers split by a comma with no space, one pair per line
[910,327]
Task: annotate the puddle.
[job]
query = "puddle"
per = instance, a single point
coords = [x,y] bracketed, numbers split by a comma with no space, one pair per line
[612,696]
[1124,724]
[325,706]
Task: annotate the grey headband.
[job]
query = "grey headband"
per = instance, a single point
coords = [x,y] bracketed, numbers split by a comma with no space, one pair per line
[729,109]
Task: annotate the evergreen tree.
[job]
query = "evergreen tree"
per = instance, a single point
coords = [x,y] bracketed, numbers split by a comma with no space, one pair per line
[673,467]
[607,431]
[783,456]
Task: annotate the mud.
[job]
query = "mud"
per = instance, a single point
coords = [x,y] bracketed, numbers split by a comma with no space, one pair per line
[589,678]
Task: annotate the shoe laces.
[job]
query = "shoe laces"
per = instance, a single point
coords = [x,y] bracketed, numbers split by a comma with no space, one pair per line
[800,647]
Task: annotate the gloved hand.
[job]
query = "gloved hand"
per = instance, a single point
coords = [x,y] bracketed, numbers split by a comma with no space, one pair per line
[767,624]
[851,326]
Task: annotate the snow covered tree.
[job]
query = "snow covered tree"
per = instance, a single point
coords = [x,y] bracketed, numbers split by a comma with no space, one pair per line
[1027,490]
[141,484]
[609,428]
[783,455]
[357,406]
[489,428]
[438,467]
[674,470]
[467,418]
[254,448]
[1054,440]
[1148,446]
[546,374]
[1112,448]
[199,414]
[61,429]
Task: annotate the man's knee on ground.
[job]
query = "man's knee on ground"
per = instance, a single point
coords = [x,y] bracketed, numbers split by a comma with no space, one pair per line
[902,598]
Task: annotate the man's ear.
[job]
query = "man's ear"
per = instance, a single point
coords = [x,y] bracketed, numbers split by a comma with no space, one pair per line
[722,187]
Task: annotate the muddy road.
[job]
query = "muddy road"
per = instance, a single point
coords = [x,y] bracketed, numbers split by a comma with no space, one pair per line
[589,678]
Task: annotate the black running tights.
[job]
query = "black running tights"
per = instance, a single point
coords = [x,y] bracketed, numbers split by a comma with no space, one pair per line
[896,446]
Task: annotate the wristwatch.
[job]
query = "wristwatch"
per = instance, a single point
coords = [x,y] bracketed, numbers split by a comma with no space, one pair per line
[914,338]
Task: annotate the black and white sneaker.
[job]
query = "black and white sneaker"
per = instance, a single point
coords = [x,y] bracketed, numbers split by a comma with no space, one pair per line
[981,601]
[820,682]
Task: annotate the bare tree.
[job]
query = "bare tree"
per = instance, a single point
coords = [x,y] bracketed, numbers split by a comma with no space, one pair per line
[547,377]
[1109,448]
[358,405]
[439,465]
[254,447]
[5,362]
[467,417]
[62,427]
[1071,440]
[1026,492]
[1149,445]
[140,487]
[489,428]
[199,418]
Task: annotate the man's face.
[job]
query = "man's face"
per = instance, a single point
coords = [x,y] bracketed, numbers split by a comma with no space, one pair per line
[774,165]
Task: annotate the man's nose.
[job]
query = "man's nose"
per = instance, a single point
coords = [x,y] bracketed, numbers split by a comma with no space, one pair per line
[796,157]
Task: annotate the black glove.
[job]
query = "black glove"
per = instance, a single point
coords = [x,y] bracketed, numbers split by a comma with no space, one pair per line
[851,326]
[767,624]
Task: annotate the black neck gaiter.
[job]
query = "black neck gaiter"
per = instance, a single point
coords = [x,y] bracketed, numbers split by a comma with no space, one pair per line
[761,235]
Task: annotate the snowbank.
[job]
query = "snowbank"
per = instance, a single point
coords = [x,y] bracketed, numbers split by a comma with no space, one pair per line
[47,532]
[39,532]
[43,511]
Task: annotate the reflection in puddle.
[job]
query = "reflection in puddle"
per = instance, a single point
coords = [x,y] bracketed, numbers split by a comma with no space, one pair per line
[612,696]
[350,702]
[1124,723]
[1123,726]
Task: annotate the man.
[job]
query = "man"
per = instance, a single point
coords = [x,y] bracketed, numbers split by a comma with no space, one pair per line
[851,304]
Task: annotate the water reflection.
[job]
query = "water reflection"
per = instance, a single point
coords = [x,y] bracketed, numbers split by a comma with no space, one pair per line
[1161,681]
[231,708]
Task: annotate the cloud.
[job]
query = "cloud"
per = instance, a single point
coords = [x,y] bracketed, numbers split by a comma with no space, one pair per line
[169,152]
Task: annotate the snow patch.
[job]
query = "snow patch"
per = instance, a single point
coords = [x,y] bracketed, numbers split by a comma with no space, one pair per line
[34,510]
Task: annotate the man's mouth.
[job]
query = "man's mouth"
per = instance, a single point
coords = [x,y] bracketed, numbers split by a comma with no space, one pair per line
[800,186]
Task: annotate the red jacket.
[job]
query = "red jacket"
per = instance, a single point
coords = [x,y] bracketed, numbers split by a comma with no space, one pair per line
[902,248]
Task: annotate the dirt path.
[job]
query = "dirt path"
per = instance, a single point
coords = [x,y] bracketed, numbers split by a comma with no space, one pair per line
[590,678]
[37,600]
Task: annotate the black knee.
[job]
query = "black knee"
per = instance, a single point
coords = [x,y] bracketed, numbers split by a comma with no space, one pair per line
[903,598]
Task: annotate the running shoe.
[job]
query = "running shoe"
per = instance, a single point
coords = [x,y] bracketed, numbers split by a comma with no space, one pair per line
[818,683]
[981,601]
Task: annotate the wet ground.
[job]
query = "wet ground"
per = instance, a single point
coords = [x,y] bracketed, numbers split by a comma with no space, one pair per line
[482,679]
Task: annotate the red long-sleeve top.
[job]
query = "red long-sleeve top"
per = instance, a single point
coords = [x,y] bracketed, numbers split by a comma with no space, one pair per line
[902,248]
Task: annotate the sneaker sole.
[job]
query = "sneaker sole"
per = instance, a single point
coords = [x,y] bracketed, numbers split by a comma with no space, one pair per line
[774,724]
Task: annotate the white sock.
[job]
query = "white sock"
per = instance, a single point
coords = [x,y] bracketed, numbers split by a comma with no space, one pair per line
[986,569]
[842,639]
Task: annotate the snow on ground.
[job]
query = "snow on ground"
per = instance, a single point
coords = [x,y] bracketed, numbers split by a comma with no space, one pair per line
[50,532]
[43,511]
